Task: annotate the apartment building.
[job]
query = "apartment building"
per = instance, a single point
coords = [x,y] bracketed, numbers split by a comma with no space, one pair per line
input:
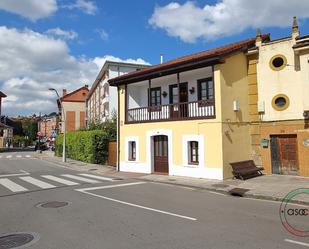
[74,108]
[48,125]
[188,116]
[102,100]
[282,103]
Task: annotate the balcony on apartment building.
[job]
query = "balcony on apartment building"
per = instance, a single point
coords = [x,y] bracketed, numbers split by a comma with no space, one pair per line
[182,96]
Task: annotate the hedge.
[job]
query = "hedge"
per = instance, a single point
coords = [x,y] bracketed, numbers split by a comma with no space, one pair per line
[86,146]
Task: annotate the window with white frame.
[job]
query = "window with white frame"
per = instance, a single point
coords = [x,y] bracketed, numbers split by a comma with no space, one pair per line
[193,156]
[132,151]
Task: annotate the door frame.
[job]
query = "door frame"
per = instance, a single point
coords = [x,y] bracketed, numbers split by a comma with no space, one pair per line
[170,100]
[154,152]
[276,137]
[150,148]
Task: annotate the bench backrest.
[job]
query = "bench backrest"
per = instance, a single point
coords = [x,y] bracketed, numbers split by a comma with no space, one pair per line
[238,166]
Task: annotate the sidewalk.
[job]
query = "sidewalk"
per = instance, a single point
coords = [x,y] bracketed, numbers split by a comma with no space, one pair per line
[271,187]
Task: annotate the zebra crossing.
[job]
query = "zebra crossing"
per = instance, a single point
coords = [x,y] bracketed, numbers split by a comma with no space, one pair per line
[29,183]
[17,156]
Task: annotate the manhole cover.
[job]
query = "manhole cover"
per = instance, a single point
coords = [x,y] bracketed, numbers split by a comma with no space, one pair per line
[18,240]
[238,191]
[220,185]
[52,204]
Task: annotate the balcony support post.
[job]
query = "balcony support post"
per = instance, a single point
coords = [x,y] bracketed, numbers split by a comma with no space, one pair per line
[149,100]
[178,85]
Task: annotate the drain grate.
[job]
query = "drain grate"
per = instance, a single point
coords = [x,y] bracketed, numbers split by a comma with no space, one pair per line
[52,204]
[17,240]
[239,192]
[220,185]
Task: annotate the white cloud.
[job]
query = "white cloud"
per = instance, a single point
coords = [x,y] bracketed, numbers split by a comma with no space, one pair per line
[103,34]
[86,6]
[190,21]
[31,9]
[63,34]
[31,62]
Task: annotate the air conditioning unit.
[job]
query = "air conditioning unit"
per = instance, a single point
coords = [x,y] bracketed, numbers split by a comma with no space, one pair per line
[236,107]
[261,107]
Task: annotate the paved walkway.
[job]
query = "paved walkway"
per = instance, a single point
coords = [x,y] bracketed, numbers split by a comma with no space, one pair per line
[270,187]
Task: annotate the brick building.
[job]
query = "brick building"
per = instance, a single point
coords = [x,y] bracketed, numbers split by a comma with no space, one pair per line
[74,105]
[48,125]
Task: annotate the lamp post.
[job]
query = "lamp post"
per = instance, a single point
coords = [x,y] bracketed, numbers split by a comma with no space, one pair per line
[64,126]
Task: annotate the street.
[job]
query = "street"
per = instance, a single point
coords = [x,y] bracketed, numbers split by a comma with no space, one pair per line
[101,212]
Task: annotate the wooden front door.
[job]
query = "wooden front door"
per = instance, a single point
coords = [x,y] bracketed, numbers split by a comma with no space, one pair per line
[160,154]
[180,110]
[284,154]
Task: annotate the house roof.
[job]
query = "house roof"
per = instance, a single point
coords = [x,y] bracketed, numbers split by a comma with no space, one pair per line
[3,126]
[2,95]
[188,62]
[71,98]
[105,68]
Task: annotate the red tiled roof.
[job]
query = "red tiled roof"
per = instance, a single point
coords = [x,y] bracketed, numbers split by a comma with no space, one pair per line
[220,51]
[67,96]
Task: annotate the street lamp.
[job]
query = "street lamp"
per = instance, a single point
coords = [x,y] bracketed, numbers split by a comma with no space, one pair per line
[64,126]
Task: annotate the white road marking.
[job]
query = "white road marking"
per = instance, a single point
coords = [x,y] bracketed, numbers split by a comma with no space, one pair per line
[60,180]
[216,193]
[132,204]
[18,174]
[18,156]
[111,186]
[36,182]
[98,177]
[14,187]
[0,157]
[82,179]
[28,156]
[296,242]
[10,156]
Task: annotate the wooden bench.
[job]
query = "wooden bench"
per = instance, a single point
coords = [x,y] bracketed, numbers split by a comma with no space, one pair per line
[246,169]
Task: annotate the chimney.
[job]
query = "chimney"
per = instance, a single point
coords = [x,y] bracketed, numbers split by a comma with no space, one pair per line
[258,39]
[295,30]
[64,92]
[161,58]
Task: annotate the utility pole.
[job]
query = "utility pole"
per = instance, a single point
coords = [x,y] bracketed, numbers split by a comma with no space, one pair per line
[64,125]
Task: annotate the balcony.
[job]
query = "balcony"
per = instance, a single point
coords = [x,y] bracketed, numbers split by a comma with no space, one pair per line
[204,109]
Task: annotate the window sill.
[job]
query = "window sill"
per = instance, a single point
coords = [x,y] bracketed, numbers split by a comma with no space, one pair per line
[191,165]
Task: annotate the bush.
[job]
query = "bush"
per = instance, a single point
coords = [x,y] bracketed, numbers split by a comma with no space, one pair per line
[87,146]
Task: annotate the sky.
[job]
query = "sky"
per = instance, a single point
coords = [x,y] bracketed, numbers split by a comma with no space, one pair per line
[64,43]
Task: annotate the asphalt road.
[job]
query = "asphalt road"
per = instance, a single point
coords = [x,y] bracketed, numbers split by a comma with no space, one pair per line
[116,214]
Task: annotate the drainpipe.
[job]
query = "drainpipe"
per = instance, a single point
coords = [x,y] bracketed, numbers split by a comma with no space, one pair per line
[118,130]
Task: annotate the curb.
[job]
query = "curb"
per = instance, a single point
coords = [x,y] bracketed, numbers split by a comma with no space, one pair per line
[226,192]
[220,191]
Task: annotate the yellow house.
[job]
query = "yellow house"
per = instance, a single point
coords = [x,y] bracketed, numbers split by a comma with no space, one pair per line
[282,103]
[187,117]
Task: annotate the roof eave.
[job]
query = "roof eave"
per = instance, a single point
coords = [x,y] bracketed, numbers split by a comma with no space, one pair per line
[171,69]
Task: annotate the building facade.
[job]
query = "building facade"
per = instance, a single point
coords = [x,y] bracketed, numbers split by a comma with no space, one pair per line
[48,125]
[283,103]
[102,99]
[74,108]
[187,117]
[6,132]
